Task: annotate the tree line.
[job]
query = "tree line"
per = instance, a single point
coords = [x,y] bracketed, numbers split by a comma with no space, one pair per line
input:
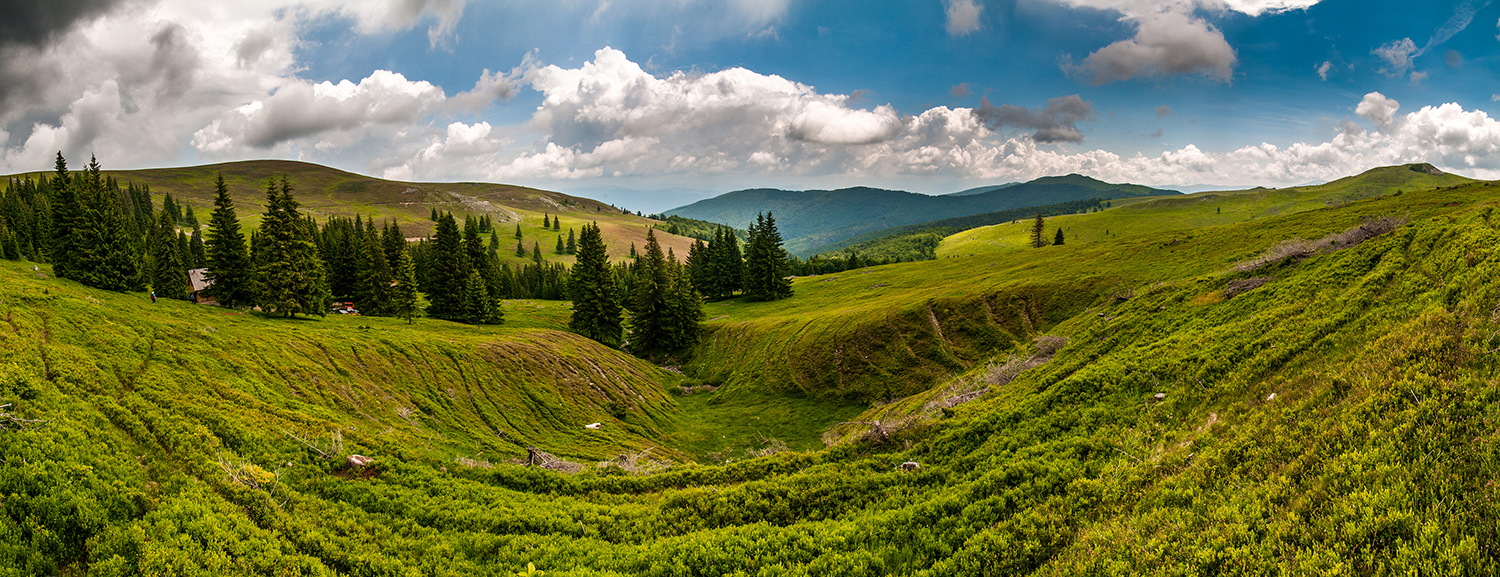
[104,235]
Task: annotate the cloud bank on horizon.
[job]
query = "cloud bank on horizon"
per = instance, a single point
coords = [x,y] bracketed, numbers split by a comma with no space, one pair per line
[170,82]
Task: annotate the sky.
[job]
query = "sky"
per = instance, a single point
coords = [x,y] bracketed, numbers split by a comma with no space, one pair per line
[654,104]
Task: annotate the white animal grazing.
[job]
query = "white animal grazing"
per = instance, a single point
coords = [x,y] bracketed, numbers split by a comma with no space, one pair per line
[592,426]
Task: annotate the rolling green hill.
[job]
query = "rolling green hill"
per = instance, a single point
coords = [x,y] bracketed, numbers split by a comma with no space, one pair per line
[1158,215]
[324,192]
[920,241]
[810,220]
[1121,406]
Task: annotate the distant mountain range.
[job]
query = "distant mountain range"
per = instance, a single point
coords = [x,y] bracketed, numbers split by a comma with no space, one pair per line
[809,220]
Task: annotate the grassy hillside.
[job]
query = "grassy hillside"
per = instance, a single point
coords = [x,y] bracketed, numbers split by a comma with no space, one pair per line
[1158,215]
[1330,413]
[809,220]
[324,192]
[920,241]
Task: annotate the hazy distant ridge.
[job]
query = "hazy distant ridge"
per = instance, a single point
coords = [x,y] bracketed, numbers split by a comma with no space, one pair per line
[814,218]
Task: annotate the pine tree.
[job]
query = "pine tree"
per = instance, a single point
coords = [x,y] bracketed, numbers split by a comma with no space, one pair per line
[1057,239]
[197,252]
[546,221]
[727,264]
[632,251]
[572,247]
[650,314]
[292,277]
[494,246]
[536,253]
[685,308]
[168,275]
[450,271]
[66,206]
[591,286]
[1038,239]
[766,262]
[518,231]
[372,290]
[434,214]
[172,209]
[520,248]
[227,261]
[560,248]
[104,254]
[393,242]
[404,294]
[556,224]
[478,307]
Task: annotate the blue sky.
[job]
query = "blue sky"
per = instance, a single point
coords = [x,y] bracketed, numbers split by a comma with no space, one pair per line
[654,104]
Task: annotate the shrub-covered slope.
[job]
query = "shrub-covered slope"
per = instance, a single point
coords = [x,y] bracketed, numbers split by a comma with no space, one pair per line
[1338,418]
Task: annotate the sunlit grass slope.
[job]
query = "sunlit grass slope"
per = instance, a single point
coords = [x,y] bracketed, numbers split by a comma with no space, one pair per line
[324,192]
[1153,215]
[1339,419]
[425,391]
[891,331]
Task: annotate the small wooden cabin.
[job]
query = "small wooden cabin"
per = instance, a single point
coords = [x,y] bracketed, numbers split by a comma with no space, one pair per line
[197,281]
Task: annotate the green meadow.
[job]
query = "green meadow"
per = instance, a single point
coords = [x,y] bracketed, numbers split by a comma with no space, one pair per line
[1123,404]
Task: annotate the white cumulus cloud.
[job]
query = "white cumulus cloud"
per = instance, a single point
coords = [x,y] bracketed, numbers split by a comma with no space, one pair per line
[963,16]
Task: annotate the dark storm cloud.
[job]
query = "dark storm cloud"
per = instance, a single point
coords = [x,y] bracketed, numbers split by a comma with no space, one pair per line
[1053,123]
[175,60]
[36,22]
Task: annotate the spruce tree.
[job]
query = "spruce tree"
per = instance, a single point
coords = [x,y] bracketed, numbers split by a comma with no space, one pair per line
[591,286]
[560,248]
[478,307]
[1057,239]
[372,290]
[197,252]
[536,253]
[520,248]
[228,262]
[104,253]
[393,242]
[556,224]
[1038,239]
[650,313]
[494,246]
[66,206]
[546,221]
[168,275]
[766,262]
[404,294]
[518,231]
[450,271]
[685,308]
[572,247]
[291,277]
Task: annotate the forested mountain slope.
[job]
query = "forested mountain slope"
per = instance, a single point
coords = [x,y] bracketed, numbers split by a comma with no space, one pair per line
[815,218]
[325,192]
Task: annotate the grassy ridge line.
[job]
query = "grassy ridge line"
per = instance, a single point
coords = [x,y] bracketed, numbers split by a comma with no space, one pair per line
[428,391]
[914,242]
[873,333]
[1158,215]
